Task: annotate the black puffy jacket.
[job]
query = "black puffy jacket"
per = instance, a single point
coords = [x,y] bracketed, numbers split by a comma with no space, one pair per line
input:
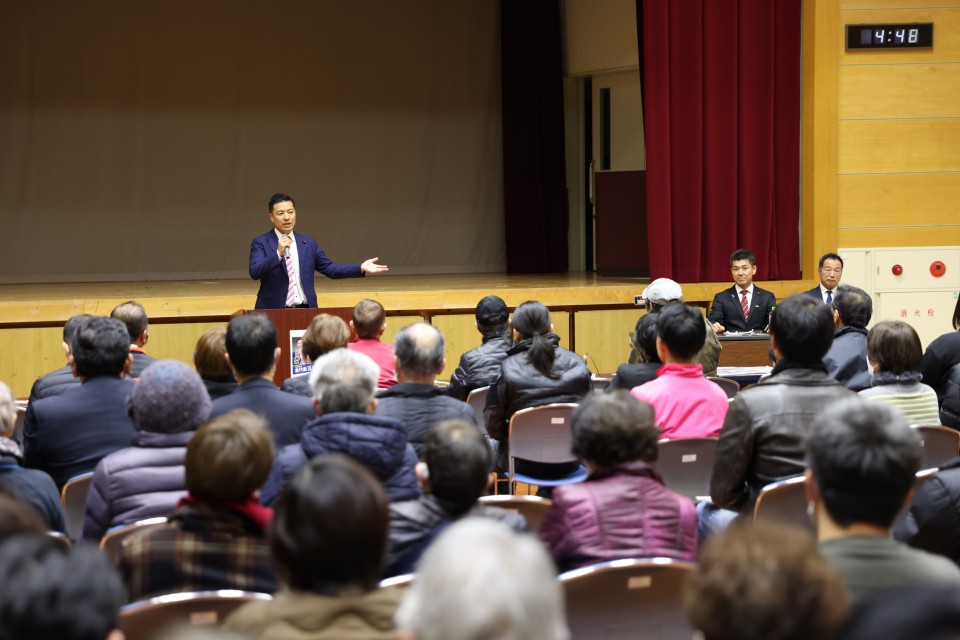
[479,367]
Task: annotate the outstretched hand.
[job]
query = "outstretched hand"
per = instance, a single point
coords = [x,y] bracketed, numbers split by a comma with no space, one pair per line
[371,266]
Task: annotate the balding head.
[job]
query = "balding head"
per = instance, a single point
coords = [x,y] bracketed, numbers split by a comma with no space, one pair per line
[419,351]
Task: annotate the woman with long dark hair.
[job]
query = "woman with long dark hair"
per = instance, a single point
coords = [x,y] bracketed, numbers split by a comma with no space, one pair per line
[536,371]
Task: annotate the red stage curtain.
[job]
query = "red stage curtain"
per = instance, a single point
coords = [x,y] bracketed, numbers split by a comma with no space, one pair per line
[722,122]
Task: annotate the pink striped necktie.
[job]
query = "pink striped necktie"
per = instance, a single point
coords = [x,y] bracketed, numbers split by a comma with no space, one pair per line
[291,278]
[744,305]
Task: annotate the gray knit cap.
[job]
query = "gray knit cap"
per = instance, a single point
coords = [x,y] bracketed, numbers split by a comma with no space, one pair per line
[169,398]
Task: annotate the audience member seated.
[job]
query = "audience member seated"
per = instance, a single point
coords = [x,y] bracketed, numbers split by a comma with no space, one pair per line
[685,403]
[68,434]
[846,361]
[416,401]
[894,350]
[764,434]
[932,522]
[536,371]
[252,352]
[216,537]
[33,487]
[483,581]
[17,516]
[134,318]
[765,582]
[863,457]
[480,367]
[344,384]
[324,334]
[453,476]
[644,341]
[664,291]
[56,382]
[210,360]
[49,590]
[145,480]
[623,509]
[369,322]
[908,613]
[940,358]
[328,539]
[744,306]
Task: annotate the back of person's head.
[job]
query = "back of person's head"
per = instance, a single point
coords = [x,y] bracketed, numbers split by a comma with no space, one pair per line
[324,334]
[100,348]
[764,582]
[229,457]
[458,462]
[956,316]
[532,321]
[369,317]
[743,254]
[251,343]
[17,517]
[492,316]
[480,580]
[646,336]
[73,325]
[8,409]
[611,428]
[908,613]
[133,316]
[169,398]
[863,457]
[419,349]
[803,328]
[276,199]
[682,330]
[209,355]
[344,381]
[48,590]
[853,305]
[894,346]
[329,530]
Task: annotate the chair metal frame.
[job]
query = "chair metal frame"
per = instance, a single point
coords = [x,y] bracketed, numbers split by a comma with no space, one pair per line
[535,440]
[73,499]
[533,508]
[694,452]
[144,618]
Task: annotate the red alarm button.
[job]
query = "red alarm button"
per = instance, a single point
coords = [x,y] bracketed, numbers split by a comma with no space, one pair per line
[937,269]
[897,270]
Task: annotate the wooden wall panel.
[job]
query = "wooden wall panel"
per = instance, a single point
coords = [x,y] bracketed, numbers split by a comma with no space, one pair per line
[896,146]
[871,200]
[899,91]
[899,237]
[603,335]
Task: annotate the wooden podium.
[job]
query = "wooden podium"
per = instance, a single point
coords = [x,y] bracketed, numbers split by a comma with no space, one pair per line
[287,320]
[745,350]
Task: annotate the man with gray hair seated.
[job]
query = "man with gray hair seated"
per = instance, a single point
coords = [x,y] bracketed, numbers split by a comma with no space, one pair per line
[846,361]
[344,383]
[416,401]
[483,581]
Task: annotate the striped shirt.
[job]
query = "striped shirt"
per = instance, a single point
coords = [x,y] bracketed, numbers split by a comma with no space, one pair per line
[917,401]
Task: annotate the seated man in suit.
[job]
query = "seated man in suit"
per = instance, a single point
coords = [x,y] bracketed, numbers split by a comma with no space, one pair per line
[252,352]
[68,434]
[134,317]
[744,306]
[830,270]
[58,381]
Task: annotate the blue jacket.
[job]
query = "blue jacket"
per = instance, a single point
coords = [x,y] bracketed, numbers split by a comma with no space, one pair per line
[378,443]
[267,267]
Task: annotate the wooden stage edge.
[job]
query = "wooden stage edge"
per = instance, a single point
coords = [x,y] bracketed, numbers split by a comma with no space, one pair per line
[37,305]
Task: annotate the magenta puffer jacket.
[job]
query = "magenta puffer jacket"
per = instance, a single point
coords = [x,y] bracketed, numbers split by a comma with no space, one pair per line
[620,511]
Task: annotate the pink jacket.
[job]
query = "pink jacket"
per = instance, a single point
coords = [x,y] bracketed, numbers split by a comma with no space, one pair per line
[621,511]
[685,404]
[380,353]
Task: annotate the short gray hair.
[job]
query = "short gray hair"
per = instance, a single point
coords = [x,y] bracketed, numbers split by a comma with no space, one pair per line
[483,581]
[419,348]
[344,381]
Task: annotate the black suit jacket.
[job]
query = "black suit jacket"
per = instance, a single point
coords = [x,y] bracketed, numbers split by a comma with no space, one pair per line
[727,311]
[68,434]
[286,412]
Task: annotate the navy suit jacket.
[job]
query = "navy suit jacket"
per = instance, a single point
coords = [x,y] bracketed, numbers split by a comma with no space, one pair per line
[727,311]
[66,435]
[815,293]
[267,267]
[286,412]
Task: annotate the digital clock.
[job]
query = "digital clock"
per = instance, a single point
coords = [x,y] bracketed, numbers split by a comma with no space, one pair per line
[917,35]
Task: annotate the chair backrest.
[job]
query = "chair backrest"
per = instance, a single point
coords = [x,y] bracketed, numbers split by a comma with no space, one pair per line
[18,425]
[730,387]
[639,599]
[542,434]
[112,542]
[533,508]
[600,383]
[73,497]
[940,444]
[143,619]
[477,399]
[686,465]
[784,502]
[401,582]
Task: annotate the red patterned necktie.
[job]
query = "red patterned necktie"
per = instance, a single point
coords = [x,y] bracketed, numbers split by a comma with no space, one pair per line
[744,305]
[292,282]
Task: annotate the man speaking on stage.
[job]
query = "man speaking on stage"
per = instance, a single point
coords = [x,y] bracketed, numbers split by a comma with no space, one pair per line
[284,263]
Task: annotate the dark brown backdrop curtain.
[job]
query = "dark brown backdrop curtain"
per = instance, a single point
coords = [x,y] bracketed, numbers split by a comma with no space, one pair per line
[722,121]
[534,184]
